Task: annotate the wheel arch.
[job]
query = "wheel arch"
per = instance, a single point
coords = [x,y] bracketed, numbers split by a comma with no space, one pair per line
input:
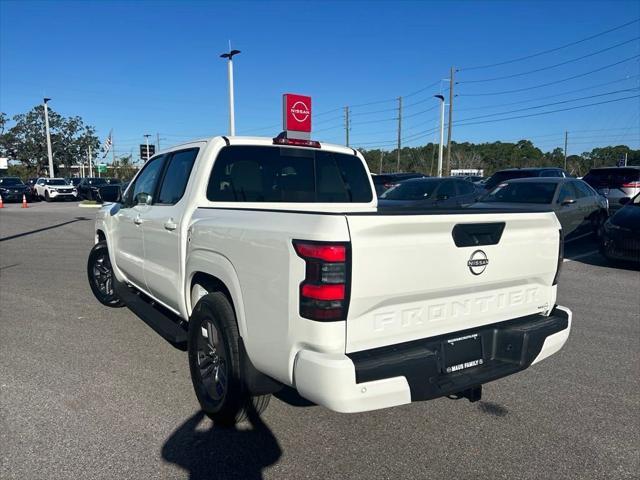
[214,272]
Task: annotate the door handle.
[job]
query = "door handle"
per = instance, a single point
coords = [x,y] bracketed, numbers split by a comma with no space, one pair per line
[137,220]
[170,225]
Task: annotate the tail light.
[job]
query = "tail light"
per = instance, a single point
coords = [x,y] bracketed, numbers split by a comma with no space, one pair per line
[631,185]
[560,257]
[297,142]
[324,293]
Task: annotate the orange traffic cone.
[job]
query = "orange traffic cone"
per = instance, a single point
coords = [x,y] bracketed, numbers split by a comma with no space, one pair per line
[24,201]
[1,202]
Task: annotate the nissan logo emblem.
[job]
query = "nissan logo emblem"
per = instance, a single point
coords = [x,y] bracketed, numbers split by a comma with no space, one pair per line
[300,111]
[478,262]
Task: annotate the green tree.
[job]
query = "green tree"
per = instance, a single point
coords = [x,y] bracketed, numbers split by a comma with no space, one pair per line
[26,141]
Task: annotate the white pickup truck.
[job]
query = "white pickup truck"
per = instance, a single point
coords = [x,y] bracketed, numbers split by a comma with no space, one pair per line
[269,260]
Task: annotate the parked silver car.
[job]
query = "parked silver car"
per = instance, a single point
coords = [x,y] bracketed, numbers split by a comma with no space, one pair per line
[579,208]
[615,183]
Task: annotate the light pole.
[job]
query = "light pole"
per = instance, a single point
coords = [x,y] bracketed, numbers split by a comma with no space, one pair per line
[229,56]
[146,137]
[46,127]
[441,98]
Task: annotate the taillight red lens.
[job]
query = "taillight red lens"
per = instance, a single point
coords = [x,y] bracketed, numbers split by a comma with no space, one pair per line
[631,185]
[328,253]
[324,291]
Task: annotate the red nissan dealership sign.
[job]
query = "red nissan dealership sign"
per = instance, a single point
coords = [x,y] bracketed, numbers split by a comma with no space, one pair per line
[296,118]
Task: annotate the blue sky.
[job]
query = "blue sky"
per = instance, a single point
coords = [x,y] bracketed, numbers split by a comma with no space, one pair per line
[147,67]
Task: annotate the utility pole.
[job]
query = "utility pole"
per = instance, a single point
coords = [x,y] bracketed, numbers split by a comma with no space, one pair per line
[441,98]
[229,56]
[381,157]
[158,141]
[113,149]
[46,126]
[399,132]
[347,126]
[451,83]
[566,138]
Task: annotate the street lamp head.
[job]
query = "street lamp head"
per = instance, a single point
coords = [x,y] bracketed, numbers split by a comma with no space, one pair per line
[46,99]
[441,97]
[230,54]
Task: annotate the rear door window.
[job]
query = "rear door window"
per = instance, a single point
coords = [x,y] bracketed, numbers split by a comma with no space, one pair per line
[176,176]
[465,187]
[286,174]
[567,192]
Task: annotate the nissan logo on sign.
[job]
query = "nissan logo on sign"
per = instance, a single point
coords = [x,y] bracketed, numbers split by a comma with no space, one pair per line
[296,118]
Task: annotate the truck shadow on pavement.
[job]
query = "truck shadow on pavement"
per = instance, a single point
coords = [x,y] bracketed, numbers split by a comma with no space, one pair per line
[222,453]
[38,230]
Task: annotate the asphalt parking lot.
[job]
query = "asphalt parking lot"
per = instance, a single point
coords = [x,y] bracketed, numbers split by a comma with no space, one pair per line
[91,392]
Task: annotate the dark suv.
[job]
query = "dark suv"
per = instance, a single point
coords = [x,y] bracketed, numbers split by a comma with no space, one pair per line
[512,173]
[615,183]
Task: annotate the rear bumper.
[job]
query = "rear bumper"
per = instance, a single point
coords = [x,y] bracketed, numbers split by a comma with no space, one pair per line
[412,371]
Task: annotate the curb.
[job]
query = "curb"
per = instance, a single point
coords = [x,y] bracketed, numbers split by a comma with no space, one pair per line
[91,205]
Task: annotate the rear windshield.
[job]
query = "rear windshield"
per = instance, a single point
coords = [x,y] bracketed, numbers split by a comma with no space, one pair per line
[96,181]
[10,181]
[500,177]
[55,181]
[411,190]
[525,192]
[286,174]
[612,177]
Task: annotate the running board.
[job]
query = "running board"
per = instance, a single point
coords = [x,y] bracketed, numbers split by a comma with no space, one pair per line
[167,324]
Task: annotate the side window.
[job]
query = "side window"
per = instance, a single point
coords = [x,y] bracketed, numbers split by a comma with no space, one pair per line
[446,190]
[583,189]
[145,183]
[567,192]
[551,173]
[176,176]
[465,188]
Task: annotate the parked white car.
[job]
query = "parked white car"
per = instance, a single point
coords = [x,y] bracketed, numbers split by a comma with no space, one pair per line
[270,260]
[55,189]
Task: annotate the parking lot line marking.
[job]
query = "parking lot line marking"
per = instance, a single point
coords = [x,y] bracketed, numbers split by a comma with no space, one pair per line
[582,255]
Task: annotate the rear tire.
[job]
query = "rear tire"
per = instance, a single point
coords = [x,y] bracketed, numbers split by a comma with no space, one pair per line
[101,277]
[214,362]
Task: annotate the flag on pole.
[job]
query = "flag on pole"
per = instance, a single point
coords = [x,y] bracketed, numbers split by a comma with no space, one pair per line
[107,144]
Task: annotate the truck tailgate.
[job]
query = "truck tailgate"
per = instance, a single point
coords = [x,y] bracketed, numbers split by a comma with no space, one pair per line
[409,279]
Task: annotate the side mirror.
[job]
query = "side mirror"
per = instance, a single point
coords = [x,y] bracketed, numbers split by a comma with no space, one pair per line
[624,200]
[568,201]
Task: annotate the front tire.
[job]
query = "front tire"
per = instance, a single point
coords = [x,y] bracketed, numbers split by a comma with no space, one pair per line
[214,362]
[101,277]
[47,198]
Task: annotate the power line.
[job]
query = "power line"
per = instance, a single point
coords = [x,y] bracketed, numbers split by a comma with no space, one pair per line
[550,111]
[549,104]
[550,83]
[422,89]
[544,52]
[497,105]
[549,67]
